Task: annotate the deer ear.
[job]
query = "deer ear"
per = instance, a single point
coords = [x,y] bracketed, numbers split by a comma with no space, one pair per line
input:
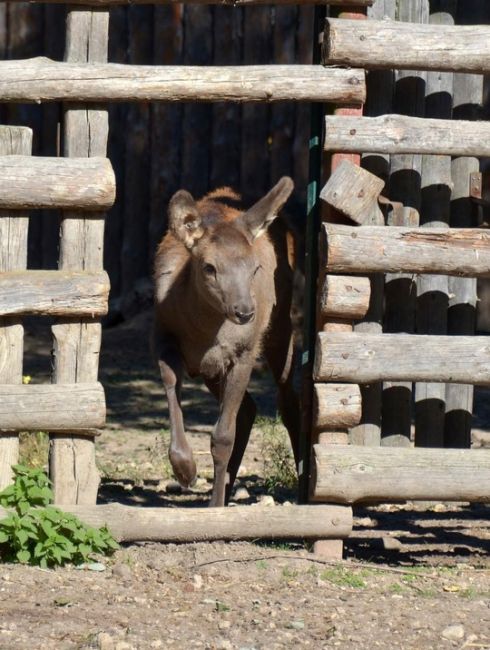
[184,220]
[259,217]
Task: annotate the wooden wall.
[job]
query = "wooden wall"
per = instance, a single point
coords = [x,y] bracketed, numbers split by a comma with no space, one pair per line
[158,148]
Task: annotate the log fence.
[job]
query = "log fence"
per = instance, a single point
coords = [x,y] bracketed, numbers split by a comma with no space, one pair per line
[348,357]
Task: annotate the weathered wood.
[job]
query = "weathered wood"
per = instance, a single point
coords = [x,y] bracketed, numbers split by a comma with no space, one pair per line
[14,140]
[132,524]
[344,297]
[53,293]
[400,134]
[77,344]
[231,3]
[354,192]
[409,46]
[363,358]
[41,182]
[51,407]
[373,249]
[350,474]
[40,79]
[432,290]
[336,406]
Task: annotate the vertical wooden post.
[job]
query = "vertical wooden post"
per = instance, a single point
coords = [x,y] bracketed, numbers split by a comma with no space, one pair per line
[468,99]
[14,140]
[77,343]
[404,186]
[432,290]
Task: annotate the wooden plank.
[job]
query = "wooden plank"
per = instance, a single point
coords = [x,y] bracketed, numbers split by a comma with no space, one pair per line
[362,358]
[350,474]
[432,290]
[336,406]
[41,182]
[77,344]
[177,525]
[375,249]
[407,46]
[51,407]
[396,134]
[14,140]
[41,80]
[344,297]
[53,293]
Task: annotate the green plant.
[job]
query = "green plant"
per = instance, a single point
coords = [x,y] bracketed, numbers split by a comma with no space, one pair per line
[279,469]
[35,532]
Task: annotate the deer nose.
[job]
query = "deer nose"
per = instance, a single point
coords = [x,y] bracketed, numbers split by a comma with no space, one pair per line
[244,317]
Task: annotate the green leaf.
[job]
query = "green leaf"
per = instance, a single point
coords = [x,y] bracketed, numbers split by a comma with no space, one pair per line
[23,556]
[22,536]
[3,537]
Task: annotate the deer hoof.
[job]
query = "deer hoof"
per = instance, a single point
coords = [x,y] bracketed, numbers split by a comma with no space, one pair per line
[184,468]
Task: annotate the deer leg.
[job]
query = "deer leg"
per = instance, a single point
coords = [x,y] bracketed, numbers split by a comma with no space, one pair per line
[279,353]
[171,368]
[231,397]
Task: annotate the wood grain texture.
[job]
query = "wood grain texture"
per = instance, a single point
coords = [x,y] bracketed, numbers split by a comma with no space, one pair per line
[54,293]
[51,407]
[178,525]
[77,344]
[373,249]
[41,182]
[385,44]
[13,257]
[41,79]
[354,192]
[363,358]
[344,297]
[397,134]
[351,474]
[336,406]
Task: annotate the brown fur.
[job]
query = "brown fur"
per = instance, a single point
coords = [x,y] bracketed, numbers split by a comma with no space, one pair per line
[223,291]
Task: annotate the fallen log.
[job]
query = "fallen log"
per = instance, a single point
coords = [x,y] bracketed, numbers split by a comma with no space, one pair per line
[386,44]
[54,293]
[29,182]
[134,524]
[349,474]
[397,134]
[41,79]
[363,358]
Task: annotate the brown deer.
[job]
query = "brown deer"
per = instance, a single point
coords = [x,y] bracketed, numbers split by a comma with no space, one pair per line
[223,285]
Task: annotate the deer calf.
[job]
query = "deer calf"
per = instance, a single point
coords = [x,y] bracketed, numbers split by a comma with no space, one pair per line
[223,286]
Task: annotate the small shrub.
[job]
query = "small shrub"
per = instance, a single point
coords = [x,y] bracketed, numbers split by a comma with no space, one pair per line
[35,532]
[279,468]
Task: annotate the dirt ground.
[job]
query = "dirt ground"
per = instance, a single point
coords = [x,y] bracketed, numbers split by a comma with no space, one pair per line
[414,576]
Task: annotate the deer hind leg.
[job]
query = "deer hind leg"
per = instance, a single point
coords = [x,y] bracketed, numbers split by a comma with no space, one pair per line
[233,421]
[171,368]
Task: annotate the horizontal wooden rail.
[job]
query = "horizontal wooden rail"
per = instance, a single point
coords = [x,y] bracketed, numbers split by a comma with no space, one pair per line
[28,182]
[40,79]
[51,407]
[230,3]
[54,293]
[376,249]
[396,134]
[412,46]
[352,474]
[344,297]
[133,524]
[364,358]
[336,406]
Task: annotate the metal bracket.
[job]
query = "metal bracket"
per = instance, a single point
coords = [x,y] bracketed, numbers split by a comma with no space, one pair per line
[480,188]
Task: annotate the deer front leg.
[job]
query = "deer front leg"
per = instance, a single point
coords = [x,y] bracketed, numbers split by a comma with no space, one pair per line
[179,453]
[232,391]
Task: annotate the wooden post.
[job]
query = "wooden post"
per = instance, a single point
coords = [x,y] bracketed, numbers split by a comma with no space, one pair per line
[13,257]
[468,100]
[432,290]
[77,343]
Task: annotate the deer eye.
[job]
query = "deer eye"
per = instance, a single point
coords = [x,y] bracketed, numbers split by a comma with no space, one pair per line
[209,269]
